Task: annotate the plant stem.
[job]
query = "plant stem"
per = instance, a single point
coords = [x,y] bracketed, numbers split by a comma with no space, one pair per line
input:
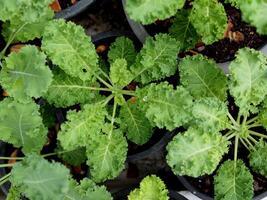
[104,74]
[11,38]
[6,165]
[4,181]
[104,82]
[238,118]
[236,149]
[11,158]
[228,133]
[235,124]
[127,92]
[250,145]
[243,142]
[231,136]
[257,134]
[244,120]
[252,120]
[56,153]
[5,177]
[107,100]
[253,125]
[252,139]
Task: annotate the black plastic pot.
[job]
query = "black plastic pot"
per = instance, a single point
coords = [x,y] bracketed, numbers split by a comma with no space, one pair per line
[75,9]
[122,195]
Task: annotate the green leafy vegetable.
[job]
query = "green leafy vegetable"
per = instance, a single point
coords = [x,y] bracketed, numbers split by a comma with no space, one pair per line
[157,59]
[39,179]
[195,152]
[21,125]
[122,48]
[151,187]
[209,19]
[233,181]
[248,80]
[148,11]
[25,74]
[77,57]
[75,157]
[134,123]
[202,78]
[165,106]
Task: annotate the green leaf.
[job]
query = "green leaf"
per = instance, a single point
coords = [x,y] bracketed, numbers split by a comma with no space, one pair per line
[27,18]
[210,114]
[82,126]
[209,19]
[183,31]
[13,194]
[258,158]
[202,78]
[119,73]
[233,181]
[74,158]
[39,179]
[157,59]
[134,123]
[67,91]
[25,74]
[148,11]
[67,45]
[258,19]
[248,80]
[106,155]
[122,48]
[165,106]
[151,187]
[196,153]
[21,125]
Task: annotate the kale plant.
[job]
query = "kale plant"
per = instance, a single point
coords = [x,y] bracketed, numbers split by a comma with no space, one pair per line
[215,125]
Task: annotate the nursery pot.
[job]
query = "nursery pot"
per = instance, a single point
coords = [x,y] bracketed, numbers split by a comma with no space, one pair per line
[75,9]
[122,195]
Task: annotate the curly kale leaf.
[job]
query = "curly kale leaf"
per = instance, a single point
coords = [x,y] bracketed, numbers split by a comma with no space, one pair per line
[119,73]
[258,158]
[82,126]
[148,11]
[195,152]
[210,114]
[25,74]
[74,158]
[77,57]
[183,31]
[39,179]
[66,91]
[134,123]
[248,80]
[122,48]
[27,18]
[14,193]
[233,181]
[202,78]
[258,19]
[151,187]
[165,106]
[209,19]
[21,125]
[157,59]
[106,154]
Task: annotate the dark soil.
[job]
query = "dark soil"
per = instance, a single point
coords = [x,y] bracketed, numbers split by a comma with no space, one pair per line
[65,3]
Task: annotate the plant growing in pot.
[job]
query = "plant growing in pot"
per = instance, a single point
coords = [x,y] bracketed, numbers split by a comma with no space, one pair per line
[201,21]
[218,124]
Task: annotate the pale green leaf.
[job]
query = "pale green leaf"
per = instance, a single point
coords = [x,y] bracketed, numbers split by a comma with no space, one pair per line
[196,153]
[122,48]
[25,74]
[183,31]
[106,155]
[248,79]
[67,45]
[157,59]
[39,179]
[151,188]
[209,19]
[202,78]
[82,126]
[67,91]
[119,73]
[165,106]
[21,125]
[258,158]
[210,114]
[148,11]
[134,123]
[233,182]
